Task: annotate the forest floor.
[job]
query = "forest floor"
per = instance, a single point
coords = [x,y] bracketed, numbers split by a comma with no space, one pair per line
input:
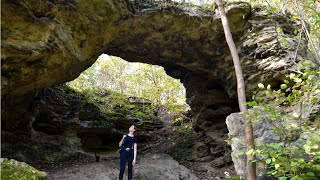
[108,167]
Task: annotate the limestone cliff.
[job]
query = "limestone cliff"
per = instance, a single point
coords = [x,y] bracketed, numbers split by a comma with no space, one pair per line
[49,42]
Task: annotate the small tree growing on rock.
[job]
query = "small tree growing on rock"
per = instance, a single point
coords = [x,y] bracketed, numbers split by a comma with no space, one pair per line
[251,169]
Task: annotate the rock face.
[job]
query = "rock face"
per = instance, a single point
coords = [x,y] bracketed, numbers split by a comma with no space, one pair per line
[50,42]
[262,132]
[50,127]
[63,39]
[62,124]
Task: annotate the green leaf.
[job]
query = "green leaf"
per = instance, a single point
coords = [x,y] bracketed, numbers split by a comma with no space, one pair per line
[292,75]
[314,100]
[252,103]
[240,153]
[269,87]
[268,93]
[286,81]
[310,174]
[296,92]
[273,9]
[250,152]
[297,80]
[276,166]
[283,86]
[260,85]
[282,178]
[284,42]
[314,146]
[268,161]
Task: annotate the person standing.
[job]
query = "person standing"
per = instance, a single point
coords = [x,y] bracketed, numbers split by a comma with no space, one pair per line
[128,152]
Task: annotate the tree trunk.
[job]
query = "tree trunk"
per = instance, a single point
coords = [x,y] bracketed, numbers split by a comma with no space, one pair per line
[251,167]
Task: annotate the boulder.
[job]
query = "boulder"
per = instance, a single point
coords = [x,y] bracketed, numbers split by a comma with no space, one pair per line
[263,132]
[12,169]
[162,167]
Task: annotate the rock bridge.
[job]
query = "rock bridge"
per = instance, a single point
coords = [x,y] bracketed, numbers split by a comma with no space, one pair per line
[50,42]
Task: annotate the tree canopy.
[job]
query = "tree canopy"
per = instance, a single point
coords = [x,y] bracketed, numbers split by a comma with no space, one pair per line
[132,79]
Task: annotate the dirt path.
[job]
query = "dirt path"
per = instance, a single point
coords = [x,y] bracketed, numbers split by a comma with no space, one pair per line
[202,170]
[149,167]
[108,167]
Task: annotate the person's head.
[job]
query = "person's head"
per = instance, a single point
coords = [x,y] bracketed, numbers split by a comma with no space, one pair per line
[133,129]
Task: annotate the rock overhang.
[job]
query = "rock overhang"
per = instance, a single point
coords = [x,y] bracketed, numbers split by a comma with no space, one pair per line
[52,42]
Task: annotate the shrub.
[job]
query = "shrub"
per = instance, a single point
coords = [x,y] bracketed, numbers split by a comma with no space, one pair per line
[293,112]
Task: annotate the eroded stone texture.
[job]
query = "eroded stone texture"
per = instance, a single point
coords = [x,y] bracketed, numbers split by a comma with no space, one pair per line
[263,132]
[61,124]
[50,42]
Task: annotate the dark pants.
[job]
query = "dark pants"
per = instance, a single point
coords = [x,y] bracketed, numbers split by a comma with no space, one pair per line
[126,156]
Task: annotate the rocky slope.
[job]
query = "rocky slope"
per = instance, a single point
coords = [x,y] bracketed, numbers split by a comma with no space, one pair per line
[49,42]
[62,125]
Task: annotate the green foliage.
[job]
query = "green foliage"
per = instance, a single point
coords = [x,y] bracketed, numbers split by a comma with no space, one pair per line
[289,109]
[142,113]
[304,11]
[15,170]
[132,79]
[186,131]
[115,105]
[181,119]
[292,162]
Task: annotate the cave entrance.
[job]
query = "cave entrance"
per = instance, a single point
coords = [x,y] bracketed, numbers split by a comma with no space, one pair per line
[129,93]
[110,73]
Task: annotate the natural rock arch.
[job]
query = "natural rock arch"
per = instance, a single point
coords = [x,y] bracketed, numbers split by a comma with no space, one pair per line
[50,42]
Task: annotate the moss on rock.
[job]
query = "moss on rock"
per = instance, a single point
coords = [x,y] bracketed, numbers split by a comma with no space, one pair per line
[15,170]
